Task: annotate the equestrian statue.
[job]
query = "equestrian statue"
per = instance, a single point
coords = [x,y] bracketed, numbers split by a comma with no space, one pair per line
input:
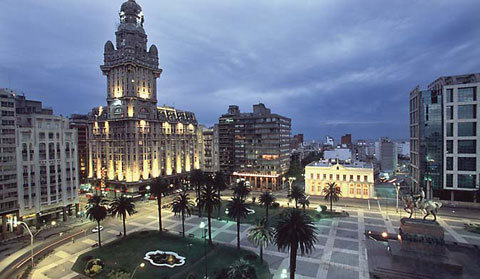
[413,202]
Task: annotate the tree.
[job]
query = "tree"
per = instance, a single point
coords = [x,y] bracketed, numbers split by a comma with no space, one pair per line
[209,200]
[241,190]
[182,204]
[332,193]
[220,185]
[261,235]
[197,178]
[237,209]
[159,188]
[296,194]
[97,211]
[304,202]
[266,200]
[120,207]
[294,231]
[241,269]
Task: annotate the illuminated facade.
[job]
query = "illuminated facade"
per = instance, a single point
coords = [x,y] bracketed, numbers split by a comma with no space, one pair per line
[354,180]
[131,140]
[254,147]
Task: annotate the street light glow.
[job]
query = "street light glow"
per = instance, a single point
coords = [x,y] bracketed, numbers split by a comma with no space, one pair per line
[202,225]
[142,264]
[384,234]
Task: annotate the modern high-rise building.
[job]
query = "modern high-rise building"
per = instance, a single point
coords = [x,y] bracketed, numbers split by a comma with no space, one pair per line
[79,122]
[254,146]
[386,153]
[131,139]
[40,174]
[346,140]
[210,159]
[444,138]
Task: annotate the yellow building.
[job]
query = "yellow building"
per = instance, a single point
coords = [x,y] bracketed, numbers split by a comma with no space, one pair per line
[355,180]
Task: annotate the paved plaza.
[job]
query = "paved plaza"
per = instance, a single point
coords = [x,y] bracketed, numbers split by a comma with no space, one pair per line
[339,253]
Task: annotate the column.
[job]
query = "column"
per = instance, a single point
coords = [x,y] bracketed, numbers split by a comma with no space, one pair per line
[4,227]
[64,210]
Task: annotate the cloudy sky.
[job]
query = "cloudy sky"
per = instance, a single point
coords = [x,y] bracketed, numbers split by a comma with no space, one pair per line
[334,67]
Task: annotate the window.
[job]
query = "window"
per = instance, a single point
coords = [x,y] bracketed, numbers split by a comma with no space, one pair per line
[467,163]
[467,146]
[449,112]
[344,177]
[358,177]
[467,112]
[449,129]
[324,176]
[449,95]
[359,191]
[352,191]
[365,192]
[467,94]
[311,175]
[338,177]
[449,180]
[449,146]
[466,181]
[313,188]
[351,177]
[318,176]
[365,178]
[467,129]
[331,176]
[449,163]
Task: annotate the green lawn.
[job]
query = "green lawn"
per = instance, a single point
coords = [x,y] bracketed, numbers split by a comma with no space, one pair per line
[126,254]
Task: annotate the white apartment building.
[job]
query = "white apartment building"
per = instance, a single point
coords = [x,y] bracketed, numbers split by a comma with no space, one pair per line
[354,180]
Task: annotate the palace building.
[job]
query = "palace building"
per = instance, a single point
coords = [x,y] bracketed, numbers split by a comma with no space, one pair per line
[354,180]
[132,140]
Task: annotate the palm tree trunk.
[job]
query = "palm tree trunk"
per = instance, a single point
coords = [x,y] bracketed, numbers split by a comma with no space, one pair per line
[331,204]
[198,204]
[99,239]
[209,227]
[261,253]
[293,261]
[124,226]
[266,213]
[238,232]
[183,224]
[159,204]
[220,206]
[296,204]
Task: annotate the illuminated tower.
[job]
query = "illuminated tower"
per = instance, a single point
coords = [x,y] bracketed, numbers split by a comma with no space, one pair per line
[131,140]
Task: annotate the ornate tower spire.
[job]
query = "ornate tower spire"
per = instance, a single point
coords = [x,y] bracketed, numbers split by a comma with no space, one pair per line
[131,70]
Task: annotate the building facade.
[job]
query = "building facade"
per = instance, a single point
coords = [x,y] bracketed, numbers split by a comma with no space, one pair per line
[386,153]
[354,180]
[79,122]
[210,159]
[254,147]
[446,142]
[131,140]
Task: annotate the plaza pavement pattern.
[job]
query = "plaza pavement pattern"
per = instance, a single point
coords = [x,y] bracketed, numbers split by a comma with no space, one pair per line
[339,253]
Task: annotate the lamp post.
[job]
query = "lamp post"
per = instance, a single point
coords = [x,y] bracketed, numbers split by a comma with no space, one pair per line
[397,189]
[15,224]
[204,235]
[291,179]
[135,270]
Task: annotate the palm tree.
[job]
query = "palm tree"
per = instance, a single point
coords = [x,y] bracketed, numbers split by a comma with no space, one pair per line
[120,207]
[266,200]
[304,202]
[241,190]
[295,230]
[241,269]
[159,188]
[97,211]
[261,235]
[220,185]
[296,194]
[182,204]
[197,178]
[332,193]
[209,200]
[237,209]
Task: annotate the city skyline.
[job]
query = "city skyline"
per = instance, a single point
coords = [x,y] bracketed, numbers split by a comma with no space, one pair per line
[329,77]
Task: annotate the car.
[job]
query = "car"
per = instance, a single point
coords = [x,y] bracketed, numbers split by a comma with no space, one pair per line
[96,229]
[152,197]
[250,211]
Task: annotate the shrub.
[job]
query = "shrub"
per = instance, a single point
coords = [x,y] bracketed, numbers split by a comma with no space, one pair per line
[192,275]
[93,267]
[250,257]
[275,205]
[86,258]
[323,207]
[118,274]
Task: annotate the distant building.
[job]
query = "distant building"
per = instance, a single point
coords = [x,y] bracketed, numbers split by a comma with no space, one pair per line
[444,137]
[354,180]
[346,140]
[210,159]
[403,148]
[79,122]
[342,154]
[360,151]
[254,146]
[386,154]
[329,141]
[297,141]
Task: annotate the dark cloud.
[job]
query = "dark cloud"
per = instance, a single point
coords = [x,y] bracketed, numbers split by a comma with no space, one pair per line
[334,67]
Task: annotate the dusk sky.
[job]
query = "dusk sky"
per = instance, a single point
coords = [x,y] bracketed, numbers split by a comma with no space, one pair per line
[334,67]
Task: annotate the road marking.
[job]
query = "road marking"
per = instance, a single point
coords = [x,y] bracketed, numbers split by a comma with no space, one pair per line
[379,208]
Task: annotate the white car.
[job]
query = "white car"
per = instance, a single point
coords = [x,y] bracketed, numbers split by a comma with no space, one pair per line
[96,229]
[250,211]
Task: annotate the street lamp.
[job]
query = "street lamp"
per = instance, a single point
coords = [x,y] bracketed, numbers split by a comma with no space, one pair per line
[15,224]
[291,179]
[204,235]
[397,189]
[135,270]
[284,273]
